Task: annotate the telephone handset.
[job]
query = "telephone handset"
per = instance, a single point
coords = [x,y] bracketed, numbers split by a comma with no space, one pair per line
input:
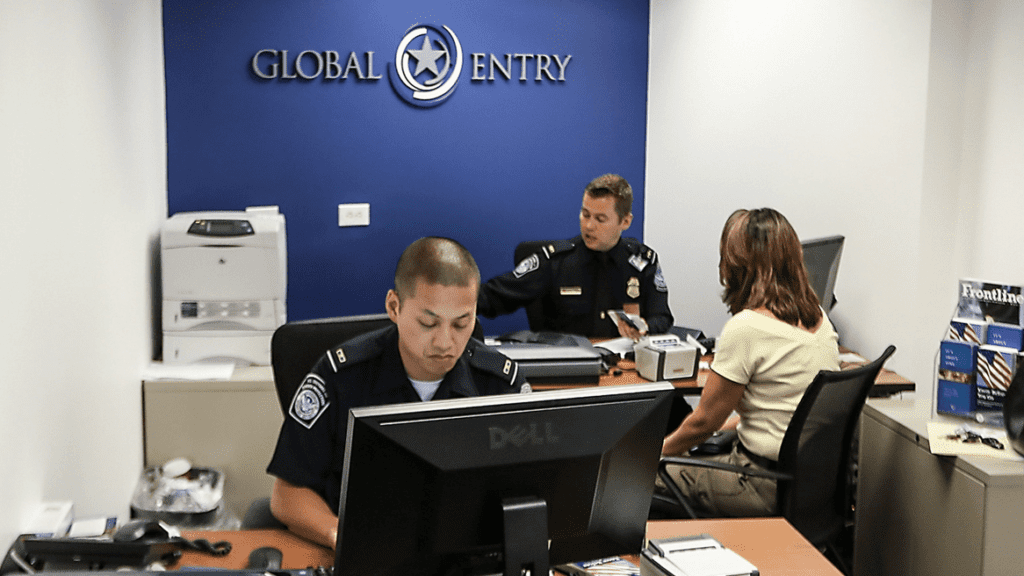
[137,544]
[145,530]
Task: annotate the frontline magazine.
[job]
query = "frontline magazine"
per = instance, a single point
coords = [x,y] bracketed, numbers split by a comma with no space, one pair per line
[981,349]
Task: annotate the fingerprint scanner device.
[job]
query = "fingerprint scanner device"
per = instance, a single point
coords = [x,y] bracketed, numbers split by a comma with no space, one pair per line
[666,357]
[224,278]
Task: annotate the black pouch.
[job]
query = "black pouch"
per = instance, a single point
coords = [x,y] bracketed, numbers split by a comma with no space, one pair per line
[721,442]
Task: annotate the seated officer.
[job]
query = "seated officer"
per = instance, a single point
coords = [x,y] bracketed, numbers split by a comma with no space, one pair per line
[578,280]
[428,354]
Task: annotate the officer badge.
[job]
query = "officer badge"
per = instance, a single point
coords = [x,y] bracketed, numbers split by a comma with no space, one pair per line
[526,266]
[633,287]
[310,401]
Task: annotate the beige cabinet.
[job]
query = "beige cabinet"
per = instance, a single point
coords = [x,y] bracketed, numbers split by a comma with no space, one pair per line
[922,514]
[231,425]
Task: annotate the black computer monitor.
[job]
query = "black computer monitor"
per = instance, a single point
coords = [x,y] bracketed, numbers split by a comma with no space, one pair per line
[821,256]
[482,485]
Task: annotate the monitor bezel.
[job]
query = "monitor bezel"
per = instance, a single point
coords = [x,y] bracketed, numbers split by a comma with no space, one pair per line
[826,297]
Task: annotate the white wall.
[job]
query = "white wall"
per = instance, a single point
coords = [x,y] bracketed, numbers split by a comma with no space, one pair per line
[993,144]
[83,192]
[891,122]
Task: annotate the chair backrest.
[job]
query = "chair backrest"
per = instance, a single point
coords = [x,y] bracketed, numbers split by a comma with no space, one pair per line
[534,310]
[296,347]
[816,450]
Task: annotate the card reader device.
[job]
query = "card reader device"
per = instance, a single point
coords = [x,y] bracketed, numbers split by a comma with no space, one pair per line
[666,357]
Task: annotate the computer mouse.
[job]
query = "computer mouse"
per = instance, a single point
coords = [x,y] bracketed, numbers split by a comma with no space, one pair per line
[141,529]
[265,558]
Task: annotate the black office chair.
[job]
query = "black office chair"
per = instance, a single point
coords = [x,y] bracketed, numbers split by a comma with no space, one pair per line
[813,476]
[294,348]
[534,310]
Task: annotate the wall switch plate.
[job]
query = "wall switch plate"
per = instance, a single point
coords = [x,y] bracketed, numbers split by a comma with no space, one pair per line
[353,214]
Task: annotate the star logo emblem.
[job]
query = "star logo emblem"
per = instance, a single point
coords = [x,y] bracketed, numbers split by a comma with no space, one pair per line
[426,58]
[438,59]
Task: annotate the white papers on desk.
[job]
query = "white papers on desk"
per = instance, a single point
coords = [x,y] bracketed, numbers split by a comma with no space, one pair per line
[620,346]
[940,444]
[196,371]
[700,555]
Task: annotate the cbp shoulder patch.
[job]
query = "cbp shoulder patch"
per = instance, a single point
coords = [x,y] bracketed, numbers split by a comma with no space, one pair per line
[528,265]
[659,281]
[310,401]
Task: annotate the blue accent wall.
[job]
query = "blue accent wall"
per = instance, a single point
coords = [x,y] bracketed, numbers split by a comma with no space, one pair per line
[496,163]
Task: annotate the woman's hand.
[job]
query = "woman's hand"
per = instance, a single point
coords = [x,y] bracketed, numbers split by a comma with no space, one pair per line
[718,401]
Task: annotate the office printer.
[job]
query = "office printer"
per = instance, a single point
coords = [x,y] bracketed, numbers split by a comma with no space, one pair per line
[224,278]
[666,357]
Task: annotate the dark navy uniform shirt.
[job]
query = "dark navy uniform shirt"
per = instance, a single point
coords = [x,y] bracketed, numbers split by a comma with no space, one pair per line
[562,277]
[368,371]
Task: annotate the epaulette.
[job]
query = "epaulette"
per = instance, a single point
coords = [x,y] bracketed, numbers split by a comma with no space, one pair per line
[491,361]
[557,247]
[354,351]
[637,248]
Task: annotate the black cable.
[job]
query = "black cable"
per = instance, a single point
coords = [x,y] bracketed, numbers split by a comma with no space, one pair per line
[221,548]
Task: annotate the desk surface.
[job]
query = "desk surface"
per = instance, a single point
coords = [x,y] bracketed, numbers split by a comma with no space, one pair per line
[887,383]
[905,419]
[771,544]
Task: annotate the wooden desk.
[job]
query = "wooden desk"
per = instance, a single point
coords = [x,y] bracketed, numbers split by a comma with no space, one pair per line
[771,544]
[886,384]
[296,552]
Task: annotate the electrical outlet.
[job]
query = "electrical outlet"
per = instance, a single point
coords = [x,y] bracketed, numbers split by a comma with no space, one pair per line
[353,214]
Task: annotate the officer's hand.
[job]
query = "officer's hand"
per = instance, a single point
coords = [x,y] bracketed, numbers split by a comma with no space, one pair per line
[628,331]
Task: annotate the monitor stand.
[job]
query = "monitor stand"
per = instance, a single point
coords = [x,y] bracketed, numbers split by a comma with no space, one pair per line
[526,535]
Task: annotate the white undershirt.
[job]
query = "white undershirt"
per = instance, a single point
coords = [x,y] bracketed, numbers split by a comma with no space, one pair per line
[426,390]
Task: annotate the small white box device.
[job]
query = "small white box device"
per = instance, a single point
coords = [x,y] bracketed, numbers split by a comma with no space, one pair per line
[53,520]
[666,357]
[700,555]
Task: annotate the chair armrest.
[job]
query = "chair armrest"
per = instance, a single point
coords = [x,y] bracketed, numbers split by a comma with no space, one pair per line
[704,463]
[667,461]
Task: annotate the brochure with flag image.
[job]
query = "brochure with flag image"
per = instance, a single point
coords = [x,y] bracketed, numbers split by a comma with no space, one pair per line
[981,349]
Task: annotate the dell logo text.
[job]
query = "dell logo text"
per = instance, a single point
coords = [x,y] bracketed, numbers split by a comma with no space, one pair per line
[532,434]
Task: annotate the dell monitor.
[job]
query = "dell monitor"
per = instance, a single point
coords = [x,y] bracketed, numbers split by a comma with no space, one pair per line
[821,257]
[499,484]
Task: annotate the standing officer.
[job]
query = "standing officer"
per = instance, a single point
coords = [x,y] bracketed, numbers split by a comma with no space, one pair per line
[427,354]
[578,280]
